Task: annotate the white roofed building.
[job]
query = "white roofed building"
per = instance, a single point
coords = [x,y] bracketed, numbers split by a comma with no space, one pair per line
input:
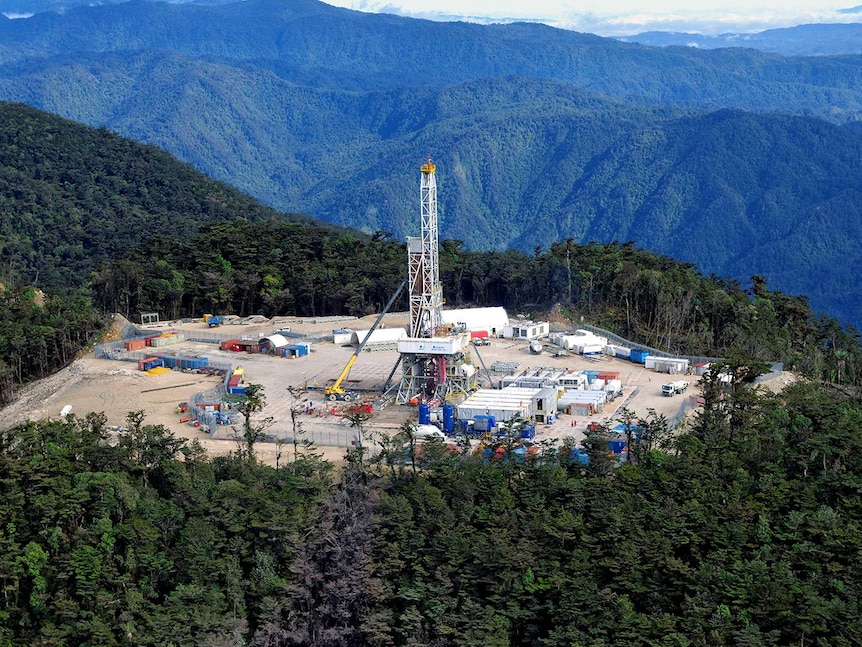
[491,320]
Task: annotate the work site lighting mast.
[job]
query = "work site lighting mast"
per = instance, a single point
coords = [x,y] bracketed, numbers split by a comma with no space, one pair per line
[426,292]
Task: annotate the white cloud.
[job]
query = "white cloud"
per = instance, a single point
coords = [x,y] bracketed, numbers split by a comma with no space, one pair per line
[620,17]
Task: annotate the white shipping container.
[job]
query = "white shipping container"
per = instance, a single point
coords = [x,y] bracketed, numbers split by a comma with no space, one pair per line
[618,351]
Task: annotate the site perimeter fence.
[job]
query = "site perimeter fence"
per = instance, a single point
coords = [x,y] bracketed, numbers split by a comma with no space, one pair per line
[616,339]
[346,438]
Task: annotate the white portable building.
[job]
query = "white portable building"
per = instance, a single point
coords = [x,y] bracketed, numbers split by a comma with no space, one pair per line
[505,404]
[342,336]
[527,330]
[671,365]
[621,352]
[593,401]
[573,380]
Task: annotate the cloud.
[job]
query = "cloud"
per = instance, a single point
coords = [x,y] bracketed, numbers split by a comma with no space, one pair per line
[622,18]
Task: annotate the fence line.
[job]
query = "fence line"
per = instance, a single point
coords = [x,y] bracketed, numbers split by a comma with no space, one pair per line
[622,341]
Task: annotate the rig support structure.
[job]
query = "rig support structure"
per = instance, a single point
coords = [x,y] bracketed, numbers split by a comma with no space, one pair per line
[436,361]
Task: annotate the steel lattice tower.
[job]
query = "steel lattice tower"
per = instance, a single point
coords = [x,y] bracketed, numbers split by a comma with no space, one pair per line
[426,292]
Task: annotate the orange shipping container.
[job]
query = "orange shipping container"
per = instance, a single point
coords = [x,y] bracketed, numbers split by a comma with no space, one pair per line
[136,344]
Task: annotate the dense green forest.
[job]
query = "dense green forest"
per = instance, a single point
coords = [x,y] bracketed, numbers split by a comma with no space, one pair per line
[743,531]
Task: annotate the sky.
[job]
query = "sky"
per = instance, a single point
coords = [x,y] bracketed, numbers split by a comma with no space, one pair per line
[625,17]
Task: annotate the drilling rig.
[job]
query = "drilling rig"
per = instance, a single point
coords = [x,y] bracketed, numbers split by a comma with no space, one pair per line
[435,359]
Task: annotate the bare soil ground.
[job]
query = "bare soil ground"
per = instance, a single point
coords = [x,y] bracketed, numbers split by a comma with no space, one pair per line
[116,388]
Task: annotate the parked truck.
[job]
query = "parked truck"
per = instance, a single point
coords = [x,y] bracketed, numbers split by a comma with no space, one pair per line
[672,388]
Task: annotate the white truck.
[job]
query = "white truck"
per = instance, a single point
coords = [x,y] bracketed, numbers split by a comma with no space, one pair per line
[672,388]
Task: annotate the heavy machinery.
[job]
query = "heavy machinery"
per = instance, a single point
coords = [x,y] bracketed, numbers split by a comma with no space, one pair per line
[672,388]
[336,391]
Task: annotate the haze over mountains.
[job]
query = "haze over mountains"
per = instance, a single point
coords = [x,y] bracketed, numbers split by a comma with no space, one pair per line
[740,161]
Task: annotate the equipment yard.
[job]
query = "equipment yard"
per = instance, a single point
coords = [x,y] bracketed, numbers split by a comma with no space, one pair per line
[117,387]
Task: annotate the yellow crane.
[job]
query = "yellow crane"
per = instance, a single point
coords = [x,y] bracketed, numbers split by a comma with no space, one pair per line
[336,391]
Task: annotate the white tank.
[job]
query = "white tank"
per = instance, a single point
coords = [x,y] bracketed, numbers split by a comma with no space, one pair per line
[429,431]
[467,369]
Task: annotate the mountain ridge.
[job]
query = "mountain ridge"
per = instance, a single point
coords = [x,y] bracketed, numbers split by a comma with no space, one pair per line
[534,138]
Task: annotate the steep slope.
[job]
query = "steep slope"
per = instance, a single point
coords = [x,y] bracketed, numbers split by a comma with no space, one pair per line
[71,196]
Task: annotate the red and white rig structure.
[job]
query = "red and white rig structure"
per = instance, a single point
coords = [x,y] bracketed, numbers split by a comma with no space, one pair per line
[435,359]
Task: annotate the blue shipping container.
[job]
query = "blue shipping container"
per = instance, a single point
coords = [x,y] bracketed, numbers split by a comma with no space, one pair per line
[169,360]
[483,423]
[617,445]
[639,356]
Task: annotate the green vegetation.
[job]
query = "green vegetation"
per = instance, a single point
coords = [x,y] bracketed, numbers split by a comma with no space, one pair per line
[743,531]
[647,298]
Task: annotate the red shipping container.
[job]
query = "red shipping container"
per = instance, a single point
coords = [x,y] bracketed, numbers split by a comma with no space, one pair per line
[608,375]
[136,344]
[234,380]
[478,333]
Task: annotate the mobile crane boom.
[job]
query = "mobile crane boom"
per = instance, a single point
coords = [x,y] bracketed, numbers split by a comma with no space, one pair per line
[336,392]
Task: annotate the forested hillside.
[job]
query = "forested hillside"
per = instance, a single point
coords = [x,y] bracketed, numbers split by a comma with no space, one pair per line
[743,531]
[71,196]
[540,134]
[105,225]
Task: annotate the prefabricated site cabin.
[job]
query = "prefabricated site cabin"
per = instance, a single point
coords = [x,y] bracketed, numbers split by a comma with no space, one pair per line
[527,330]
[670,365]
[510,402]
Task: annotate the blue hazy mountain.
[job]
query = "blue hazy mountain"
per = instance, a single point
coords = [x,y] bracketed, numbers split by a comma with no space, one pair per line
[802,40]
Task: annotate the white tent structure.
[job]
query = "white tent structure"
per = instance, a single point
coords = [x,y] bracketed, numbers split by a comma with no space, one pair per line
[273,342]
[491,320]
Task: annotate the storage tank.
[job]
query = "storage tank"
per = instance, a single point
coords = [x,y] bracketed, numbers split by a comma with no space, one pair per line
[448,419]
[424,414]
[467,370]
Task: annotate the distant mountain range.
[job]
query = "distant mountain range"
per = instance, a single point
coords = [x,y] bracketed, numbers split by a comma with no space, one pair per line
[802,40]
[740,161]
